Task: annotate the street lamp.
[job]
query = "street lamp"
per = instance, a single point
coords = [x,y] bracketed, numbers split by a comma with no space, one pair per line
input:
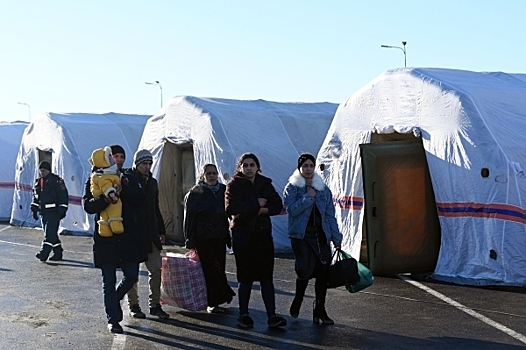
[160,87]
[25,104]
[398,47]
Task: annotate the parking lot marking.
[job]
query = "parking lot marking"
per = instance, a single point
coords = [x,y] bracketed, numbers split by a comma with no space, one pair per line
[467,310]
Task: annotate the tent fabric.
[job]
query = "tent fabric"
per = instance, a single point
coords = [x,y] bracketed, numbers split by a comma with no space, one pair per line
[220,130]
[11,136]
[69,139]
[468,121]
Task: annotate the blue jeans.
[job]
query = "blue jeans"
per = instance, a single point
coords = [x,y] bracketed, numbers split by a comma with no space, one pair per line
[112,295]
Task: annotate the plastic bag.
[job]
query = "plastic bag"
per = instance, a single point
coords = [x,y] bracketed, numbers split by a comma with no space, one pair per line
[182,281]
[366,279]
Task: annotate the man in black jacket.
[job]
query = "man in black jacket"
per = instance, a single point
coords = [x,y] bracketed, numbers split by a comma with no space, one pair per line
[153,232]
[50,198]
[124,251]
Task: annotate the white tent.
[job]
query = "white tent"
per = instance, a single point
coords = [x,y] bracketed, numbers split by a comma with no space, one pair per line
[473,130]
[67,141]
[10,136]
[189,132]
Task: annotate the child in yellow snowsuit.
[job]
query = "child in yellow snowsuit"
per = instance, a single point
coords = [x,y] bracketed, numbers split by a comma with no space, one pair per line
[103,182]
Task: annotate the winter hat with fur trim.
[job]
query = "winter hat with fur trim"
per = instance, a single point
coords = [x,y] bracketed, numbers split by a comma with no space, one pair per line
[101,157]
[142,156]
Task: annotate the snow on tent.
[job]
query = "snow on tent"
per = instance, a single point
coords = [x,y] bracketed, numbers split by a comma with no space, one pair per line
[429,165]
[189,132]
[11,135]
[67,141]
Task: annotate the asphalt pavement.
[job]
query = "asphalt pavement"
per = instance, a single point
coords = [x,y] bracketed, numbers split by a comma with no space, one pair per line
[58,305]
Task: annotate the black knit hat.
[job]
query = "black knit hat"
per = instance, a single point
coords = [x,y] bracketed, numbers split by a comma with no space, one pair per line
[44,165]
[304,157]
[117,149]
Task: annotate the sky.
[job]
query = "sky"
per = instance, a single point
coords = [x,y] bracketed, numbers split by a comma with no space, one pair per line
[96,56]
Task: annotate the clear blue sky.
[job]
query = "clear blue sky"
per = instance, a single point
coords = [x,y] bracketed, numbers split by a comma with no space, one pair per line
[95,56]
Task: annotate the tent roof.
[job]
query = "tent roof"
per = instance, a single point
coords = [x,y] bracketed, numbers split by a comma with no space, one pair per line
[468,121]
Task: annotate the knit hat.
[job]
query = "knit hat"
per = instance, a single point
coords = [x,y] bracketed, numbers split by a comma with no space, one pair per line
[117,149]
[44,165]
[141,156]
[304,157]
[101,157]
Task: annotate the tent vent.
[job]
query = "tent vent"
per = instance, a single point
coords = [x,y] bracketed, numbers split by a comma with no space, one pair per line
[484,172]
[493,254]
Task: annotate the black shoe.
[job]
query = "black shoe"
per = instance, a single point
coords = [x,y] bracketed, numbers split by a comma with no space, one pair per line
[136,312]
[115,328]
[158,311]
[41,257]
[276,321]
[245,321]
[295,308]
[319,313]
[56,257]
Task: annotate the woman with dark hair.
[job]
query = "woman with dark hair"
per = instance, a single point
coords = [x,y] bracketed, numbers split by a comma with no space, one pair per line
[206,230]
[312,227]
[250,200]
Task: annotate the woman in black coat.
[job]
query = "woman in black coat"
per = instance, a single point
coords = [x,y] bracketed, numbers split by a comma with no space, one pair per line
[250,200]
[125,251]
[206,230]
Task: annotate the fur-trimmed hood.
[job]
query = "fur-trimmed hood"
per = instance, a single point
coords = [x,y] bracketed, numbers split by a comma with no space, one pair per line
[298,180]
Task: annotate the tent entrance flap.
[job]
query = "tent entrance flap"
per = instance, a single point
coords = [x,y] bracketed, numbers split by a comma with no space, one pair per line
[400,216]
[177,176]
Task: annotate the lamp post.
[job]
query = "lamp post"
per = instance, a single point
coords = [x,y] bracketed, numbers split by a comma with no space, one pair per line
[160,87]
[398,47]
[25,104]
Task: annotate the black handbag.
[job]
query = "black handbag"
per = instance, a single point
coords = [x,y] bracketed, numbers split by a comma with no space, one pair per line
[344,271]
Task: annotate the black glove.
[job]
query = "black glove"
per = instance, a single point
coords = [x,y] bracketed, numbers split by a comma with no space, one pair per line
[62,214]
[35,214]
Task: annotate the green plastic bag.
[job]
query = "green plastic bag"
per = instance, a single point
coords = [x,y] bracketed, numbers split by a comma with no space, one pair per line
[366,279]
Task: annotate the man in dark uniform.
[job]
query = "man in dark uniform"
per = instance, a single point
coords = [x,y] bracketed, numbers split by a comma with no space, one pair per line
[50,198]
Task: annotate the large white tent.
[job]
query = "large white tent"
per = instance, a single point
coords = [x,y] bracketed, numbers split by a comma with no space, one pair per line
[473,129]
[189,132]
[67,141]
[10,136]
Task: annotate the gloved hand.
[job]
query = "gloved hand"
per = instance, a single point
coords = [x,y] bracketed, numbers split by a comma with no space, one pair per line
[189,244]
[35,214]
[62,214]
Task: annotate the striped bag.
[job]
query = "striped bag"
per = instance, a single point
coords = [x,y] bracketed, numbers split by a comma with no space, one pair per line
[182,281]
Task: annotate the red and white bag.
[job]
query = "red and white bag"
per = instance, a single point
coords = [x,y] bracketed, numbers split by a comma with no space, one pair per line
[182,281]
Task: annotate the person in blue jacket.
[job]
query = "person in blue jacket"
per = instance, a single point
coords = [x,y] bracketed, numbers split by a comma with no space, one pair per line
[312,227]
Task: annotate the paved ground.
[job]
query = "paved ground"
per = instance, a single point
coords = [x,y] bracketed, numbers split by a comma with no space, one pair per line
[59,306]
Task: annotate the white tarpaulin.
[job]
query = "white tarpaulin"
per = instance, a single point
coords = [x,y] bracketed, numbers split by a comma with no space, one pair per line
[220,130]
[468,121]
[10,136]
[67,141]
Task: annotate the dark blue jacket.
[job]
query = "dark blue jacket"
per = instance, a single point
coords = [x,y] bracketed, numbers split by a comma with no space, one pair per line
[50,195]
[127,247]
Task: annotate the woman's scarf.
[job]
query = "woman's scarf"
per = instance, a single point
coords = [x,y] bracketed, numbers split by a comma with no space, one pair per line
[214,188]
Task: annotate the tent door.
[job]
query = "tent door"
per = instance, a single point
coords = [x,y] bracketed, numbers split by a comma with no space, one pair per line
[400,222]
[176,178]
[45,156]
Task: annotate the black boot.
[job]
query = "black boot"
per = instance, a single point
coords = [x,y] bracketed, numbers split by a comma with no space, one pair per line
[295,307]
[319,313]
